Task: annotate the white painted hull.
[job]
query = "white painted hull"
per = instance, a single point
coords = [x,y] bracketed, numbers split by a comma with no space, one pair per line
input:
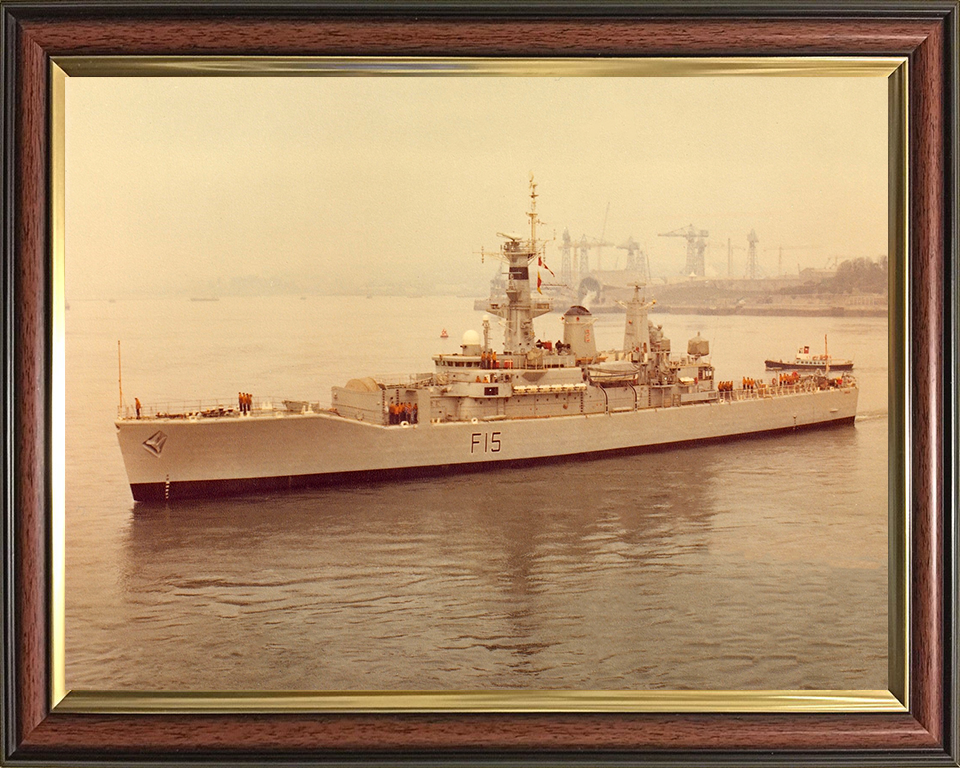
[236,454]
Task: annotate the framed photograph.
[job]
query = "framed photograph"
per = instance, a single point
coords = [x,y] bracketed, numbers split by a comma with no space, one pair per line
[243,526]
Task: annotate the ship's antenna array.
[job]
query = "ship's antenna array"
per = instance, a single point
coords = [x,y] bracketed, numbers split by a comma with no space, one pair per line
[119,375]
[520,308]
[533,213]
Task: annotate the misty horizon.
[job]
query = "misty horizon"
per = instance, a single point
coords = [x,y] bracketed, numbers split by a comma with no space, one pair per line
[219,186]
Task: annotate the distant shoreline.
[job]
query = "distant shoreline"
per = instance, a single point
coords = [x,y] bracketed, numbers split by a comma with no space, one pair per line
[774,310]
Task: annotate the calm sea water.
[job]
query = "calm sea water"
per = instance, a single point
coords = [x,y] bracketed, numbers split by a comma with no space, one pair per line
[752,564]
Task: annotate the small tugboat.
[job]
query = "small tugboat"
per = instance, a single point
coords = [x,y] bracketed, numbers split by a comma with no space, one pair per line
[480,408]
[805,361]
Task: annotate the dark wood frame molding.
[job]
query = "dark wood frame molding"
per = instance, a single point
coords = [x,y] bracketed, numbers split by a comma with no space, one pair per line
[925,32]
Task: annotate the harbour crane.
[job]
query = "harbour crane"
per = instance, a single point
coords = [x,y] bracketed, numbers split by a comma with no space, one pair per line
[575,257]
[780,249]
[603,233]
[730,249]
[566,258]
[696,245]
[637,260]
[584,247]
[752,265]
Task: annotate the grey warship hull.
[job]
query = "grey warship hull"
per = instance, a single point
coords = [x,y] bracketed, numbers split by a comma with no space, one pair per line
[239,455]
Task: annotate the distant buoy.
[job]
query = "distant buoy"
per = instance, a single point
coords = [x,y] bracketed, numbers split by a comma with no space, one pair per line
[444,334]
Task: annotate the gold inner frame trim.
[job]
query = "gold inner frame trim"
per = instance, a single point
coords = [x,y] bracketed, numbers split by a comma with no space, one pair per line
[411,66]
[795,701]
[58,394]
[114,702]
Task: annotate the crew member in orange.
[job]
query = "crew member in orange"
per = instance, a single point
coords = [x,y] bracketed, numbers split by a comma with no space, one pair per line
[136,404]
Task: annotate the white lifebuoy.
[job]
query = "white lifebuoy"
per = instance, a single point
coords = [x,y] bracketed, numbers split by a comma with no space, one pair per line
[474,420]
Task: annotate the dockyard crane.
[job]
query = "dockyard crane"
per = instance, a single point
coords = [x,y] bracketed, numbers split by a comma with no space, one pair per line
[566,258]
[780,249]
[575,257]
[637,260]
[752,239]
[730,249]
[584,247]
[696,245]
[603,233]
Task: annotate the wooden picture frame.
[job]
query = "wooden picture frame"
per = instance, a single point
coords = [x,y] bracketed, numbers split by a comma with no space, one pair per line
[36,34]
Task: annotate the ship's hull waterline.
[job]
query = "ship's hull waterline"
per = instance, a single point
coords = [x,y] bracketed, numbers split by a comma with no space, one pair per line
[169,459]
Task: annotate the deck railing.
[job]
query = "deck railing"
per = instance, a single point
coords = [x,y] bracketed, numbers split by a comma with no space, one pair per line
[761,391]
[409,380]
[261,406]
[209,407]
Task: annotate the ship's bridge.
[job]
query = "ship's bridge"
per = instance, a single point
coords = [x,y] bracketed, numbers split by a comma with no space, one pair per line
[458,361]
[459,367]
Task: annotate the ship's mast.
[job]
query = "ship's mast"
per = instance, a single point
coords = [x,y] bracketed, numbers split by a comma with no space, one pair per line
[532,213]
[636,334]
[520,308]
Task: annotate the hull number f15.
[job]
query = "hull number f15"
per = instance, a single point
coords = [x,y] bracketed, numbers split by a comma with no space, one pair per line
[485,442]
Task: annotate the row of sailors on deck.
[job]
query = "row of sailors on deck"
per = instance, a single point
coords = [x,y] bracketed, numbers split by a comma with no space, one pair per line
[745,383]
[489,359]
[402,412]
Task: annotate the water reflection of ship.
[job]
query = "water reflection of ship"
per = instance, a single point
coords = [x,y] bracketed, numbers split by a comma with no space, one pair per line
[165,526]
[511,597]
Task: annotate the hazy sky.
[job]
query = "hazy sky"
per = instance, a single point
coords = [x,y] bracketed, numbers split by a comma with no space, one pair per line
[186,183]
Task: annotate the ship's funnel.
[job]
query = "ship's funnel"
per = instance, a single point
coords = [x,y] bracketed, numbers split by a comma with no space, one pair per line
[578,332]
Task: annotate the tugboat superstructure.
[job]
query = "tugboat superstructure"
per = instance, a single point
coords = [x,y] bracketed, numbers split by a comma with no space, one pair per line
[529,401]
[808,361]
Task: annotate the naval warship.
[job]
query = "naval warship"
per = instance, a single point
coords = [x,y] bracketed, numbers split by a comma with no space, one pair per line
[479,408]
